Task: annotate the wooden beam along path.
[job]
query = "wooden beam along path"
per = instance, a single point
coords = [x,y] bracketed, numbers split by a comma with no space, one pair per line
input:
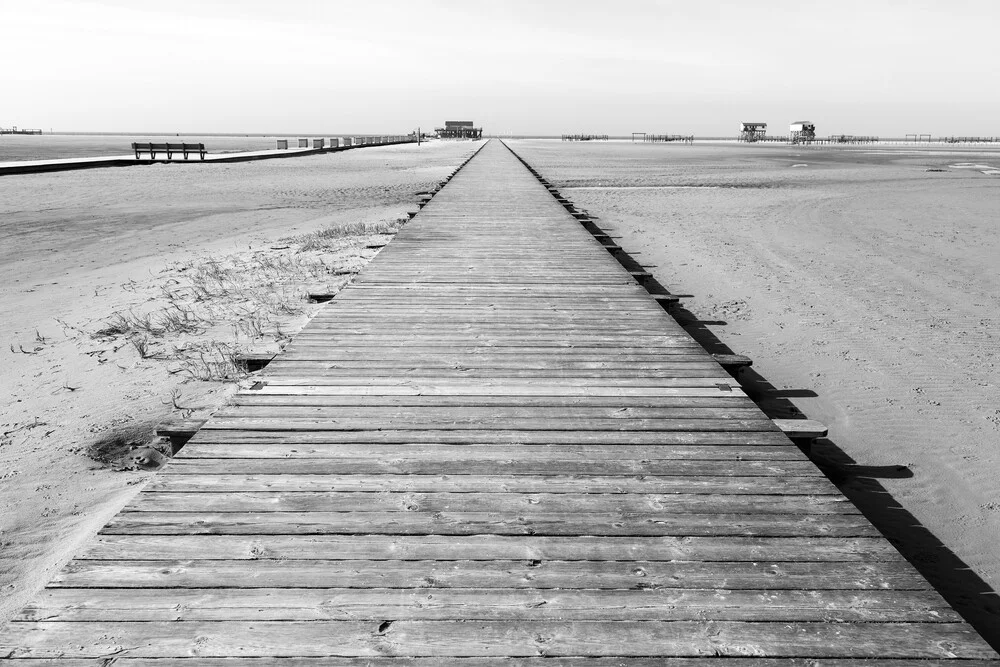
[493,448]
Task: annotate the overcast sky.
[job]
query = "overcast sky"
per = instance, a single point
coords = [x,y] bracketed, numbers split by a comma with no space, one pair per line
[880,67]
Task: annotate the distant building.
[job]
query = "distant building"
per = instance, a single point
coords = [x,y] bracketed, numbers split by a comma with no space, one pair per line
[801,131]
[459,129]
[752,131]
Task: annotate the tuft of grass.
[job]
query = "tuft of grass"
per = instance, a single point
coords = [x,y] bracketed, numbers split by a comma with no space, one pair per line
[322,239]
[178,319]
[211,362]
[118,325]
[206,307]
[141,345]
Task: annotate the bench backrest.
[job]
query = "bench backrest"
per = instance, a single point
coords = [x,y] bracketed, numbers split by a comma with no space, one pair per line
[163,147]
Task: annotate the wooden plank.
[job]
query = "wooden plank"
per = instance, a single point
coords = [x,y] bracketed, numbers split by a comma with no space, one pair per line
[524,504]
[274,410]
[310,387]
[503,367]
[137,547]
[773,438]
[216,462]
[377,604]
[496,483]
[480,523]
[335,423]
[329,374]
[174,639]
[253,398]
[475,386]
[519,574]
[548,661]
[334,445]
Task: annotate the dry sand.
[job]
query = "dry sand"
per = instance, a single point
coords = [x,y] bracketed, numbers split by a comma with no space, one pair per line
[78,247]
[865,288]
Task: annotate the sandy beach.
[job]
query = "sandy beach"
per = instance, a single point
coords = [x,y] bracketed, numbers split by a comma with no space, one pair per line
[214,259]
[864,283]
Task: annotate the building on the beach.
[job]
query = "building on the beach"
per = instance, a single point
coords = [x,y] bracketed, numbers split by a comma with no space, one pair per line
[459,129]
[752,132]
[801,131]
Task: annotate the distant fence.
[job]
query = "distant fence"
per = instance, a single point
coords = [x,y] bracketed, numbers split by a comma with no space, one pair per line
[758,140]
[584,137]
[832,139]
[969,140]
[657,138]
[335,143]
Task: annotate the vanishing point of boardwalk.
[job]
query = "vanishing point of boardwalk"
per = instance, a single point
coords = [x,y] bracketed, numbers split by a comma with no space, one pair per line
[493,448]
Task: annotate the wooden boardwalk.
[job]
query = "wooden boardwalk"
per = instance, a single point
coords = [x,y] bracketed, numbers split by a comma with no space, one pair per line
[76,163]
[494,447]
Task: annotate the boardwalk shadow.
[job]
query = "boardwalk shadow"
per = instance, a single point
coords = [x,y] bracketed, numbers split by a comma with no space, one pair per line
[960,586]
[950,575]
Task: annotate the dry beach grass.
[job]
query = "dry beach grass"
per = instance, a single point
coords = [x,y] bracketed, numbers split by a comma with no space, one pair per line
[126,294]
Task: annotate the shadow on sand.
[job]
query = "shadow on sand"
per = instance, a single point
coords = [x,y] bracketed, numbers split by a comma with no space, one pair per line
[962,588]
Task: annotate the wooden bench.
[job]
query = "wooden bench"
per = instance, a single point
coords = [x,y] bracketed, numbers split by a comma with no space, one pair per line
[169,149]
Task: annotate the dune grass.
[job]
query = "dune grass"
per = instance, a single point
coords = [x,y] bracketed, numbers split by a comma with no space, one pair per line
[209,310]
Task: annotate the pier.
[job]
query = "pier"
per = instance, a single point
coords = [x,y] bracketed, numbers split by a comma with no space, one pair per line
[494,447]
[316,147]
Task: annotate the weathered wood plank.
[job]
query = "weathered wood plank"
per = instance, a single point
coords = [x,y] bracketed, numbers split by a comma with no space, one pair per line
[228,444]
[480,523]
[494,638]
[725,423]
[253,398]
[493,484]
[540,574]
[301,465]
[489,547]
[549,661]
[325,373]
[310,387]
[525,504]
[475,386]
[377,604]
[274,410]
